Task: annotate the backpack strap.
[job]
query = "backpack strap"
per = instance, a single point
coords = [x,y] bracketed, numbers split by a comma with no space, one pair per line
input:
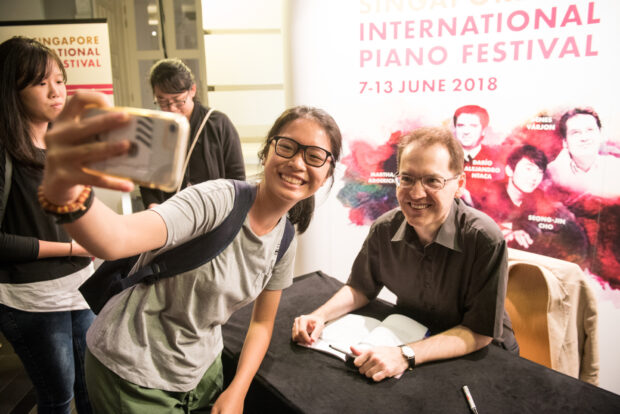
[287,238]
[201,249]
[6,188]
[111,278]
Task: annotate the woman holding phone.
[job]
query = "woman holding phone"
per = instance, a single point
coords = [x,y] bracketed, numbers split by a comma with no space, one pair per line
[157,347]
[42,313]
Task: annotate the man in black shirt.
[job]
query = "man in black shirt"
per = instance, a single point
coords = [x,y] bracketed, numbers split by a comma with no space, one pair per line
[446,263]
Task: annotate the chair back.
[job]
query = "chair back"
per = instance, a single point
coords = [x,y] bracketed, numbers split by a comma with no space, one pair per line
[527,301]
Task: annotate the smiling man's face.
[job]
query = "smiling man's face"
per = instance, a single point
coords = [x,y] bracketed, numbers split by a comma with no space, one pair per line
[426,210]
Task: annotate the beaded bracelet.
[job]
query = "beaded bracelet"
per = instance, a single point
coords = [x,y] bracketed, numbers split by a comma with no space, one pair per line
[68,213]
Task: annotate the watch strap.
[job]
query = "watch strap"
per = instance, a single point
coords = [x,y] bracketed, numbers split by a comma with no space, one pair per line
[409,354]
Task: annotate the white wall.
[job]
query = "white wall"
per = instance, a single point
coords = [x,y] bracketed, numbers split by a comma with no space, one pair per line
[244,53]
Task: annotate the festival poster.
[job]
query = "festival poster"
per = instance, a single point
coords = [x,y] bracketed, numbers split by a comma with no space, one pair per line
[527,86]
[82,45]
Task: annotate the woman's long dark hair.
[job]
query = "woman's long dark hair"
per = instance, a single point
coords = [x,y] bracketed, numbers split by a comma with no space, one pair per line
[23,62]
[301,213]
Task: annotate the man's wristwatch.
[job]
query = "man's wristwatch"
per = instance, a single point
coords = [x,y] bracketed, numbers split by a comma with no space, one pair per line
[409,355]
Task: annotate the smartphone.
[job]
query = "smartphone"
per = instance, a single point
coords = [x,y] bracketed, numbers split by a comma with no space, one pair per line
[158,147]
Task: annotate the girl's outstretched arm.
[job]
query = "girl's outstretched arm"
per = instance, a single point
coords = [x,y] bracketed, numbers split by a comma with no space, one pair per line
[101,231]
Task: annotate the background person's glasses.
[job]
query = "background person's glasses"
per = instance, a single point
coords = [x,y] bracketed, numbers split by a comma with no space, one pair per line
[429,182]
[313,156]
[177,104]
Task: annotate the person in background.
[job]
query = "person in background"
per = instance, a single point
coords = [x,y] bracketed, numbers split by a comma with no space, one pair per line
[584,177]
[581,167]
[482,162]
[217,153]
[156,347]
[445,262]
[470,126]
[42,313]
[513,200]
[529,218]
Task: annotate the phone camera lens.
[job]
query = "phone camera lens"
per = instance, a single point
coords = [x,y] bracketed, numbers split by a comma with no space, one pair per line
[133,150]
[173,128]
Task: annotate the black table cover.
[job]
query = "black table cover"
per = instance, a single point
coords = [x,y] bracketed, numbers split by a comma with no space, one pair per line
[295,379]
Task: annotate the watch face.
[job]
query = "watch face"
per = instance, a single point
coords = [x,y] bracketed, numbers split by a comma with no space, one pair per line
[407,352]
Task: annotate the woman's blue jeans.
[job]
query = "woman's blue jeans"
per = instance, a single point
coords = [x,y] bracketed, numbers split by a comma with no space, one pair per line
[51,346]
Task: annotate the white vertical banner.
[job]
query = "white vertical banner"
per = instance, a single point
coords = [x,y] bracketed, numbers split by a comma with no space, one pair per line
[385,67]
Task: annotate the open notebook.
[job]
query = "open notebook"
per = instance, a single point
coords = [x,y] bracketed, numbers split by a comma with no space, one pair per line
[364,331]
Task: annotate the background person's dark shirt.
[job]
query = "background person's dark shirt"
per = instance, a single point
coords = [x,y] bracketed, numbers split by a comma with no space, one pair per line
[24,224]
[217,154]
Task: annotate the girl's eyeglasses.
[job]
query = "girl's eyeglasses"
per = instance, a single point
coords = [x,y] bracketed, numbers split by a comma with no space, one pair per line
[313,155]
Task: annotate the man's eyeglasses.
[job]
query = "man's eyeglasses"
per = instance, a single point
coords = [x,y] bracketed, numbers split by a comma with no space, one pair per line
[429,182]
[177,104]
[313,156]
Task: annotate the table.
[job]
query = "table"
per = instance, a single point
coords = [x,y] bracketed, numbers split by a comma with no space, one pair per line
[300,380]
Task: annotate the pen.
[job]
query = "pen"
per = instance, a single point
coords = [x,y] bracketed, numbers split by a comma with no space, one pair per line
[337,348]
[470,400]
[349,357]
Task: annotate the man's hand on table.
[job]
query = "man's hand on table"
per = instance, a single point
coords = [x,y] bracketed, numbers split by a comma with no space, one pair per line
[307,329]
[379,362]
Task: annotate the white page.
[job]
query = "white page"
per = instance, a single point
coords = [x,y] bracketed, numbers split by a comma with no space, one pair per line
[395,330]
[349,329]
[343,332]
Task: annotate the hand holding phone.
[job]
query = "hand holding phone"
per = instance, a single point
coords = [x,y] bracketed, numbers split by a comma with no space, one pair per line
[70,147]
[158,146]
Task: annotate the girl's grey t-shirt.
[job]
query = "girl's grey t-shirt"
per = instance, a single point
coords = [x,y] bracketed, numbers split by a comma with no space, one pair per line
[166,335]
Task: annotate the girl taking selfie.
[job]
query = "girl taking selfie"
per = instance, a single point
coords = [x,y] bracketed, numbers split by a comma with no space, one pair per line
[157,347]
